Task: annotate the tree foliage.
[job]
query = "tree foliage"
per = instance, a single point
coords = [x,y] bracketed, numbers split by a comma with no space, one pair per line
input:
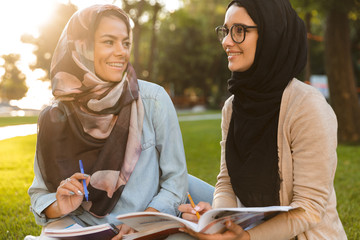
[179,50]
[12,85]
[190,55]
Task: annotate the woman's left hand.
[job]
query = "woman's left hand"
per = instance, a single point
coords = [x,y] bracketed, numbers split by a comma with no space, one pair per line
[124,229]
[233,232]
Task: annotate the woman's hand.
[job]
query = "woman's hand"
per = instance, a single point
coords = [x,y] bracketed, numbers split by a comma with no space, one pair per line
[69,196]
[124,229]
[189,213]
[233,232]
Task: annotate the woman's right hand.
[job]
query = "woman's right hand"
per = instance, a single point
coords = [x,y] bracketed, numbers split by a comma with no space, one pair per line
[69,196]
[189,213]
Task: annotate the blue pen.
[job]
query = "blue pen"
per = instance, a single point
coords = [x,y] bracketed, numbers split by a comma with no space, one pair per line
[84,182]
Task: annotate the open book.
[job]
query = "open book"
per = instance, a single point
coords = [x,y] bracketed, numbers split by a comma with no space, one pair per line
[76,232]
[155,225]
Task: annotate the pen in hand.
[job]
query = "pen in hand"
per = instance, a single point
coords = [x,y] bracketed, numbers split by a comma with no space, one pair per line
[84,181]
[193,205]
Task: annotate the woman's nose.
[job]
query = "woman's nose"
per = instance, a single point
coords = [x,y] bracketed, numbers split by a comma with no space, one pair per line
[119,49]
[227,41]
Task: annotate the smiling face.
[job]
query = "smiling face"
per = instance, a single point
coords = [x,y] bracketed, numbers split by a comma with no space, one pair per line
[240,55]
[111,49]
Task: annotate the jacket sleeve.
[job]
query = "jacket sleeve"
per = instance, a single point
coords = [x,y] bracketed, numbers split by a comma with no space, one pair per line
[169,144]
[40,197]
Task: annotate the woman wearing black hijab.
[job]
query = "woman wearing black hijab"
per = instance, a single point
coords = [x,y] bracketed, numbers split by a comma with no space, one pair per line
[279,135]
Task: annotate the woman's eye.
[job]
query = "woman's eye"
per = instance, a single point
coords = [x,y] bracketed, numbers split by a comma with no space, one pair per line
[239,29]
[127,44]
[109,42]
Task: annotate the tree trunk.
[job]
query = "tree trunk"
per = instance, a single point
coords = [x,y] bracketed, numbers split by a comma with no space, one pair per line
[340,72]
[156,9]
[308,62]
[140,8]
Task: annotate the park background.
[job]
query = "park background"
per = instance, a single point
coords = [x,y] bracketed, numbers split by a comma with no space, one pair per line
[175,46]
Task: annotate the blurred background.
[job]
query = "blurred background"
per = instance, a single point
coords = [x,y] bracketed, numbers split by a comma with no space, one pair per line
[175,46]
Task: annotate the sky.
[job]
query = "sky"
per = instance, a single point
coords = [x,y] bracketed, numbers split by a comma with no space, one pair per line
[18,17]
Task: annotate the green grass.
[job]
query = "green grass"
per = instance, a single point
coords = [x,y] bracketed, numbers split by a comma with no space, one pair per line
[347,187]
[7,121]
[201,141]
[16,174]
[202,148]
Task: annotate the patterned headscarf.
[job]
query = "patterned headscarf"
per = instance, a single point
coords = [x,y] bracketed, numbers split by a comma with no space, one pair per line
[94,120]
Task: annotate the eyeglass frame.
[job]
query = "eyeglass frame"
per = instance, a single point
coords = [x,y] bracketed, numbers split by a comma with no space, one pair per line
[230,30]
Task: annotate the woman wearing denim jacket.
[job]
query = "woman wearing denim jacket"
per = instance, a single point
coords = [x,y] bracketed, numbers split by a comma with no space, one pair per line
[123,129]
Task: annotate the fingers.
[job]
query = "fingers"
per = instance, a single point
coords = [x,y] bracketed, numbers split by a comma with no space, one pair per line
[236,229]
[200,236]
[190,217]
[70,187]
[189,212]
[73,185]
[202,207]
[231,226]
[185,208]
[124,229]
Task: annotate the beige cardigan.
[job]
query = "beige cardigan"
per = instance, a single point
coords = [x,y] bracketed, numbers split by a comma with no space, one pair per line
[307,141]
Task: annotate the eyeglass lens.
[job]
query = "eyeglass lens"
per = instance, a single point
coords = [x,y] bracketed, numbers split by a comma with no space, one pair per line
[237,33]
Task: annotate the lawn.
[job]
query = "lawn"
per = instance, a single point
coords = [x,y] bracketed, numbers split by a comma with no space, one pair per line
[201,141]
[7,121]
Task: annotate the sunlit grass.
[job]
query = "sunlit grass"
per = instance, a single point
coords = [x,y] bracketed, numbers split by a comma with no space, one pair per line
[16,174]
[201,141]
[7,121]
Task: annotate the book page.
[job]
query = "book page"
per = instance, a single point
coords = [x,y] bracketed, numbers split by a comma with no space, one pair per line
[144,221]
[213,221]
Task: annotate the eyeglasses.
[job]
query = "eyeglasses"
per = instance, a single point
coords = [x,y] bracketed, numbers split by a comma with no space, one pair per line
[237,32]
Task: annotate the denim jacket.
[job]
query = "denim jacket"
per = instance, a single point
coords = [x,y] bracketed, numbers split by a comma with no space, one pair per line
[159,179]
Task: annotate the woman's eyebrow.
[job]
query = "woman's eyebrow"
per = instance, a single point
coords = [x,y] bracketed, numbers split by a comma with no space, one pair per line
[106,35]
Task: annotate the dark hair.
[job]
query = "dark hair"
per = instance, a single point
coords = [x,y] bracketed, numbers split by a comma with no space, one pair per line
[237,3]
[250,9]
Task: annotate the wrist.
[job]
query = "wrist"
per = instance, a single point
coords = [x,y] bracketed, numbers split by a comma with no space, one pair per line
[53,211]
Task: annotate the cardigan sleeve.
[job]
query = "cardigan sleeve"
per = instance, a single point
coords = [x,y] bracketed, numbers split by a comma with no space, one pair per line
[224,195]
[310,129]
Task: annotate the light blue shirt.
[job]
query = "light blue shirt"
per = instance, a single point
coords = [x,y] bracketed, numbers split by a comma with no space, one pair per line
[159,179]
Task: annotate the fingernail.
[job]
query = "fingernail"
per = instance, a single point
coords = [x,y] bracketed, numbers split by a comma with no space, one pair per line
[197,208]
[71,193]
[228,223]
[79,192]
[193,211]
[86,175]
[181,230]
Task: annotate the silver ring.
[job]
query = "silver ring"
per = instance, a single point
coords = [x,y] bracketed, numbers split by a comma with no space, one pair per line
[68,180]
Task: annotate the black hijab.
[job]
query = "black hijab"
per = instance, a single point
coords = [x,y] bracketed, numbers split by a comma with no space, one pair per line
[251,148]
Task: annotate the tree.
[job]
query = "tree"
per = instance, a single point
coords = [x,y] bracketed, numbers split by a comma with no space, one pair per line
[190,55]
[136,10]
[340,71]
[339,59]
[12,85]
[49,35]
[156,9]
